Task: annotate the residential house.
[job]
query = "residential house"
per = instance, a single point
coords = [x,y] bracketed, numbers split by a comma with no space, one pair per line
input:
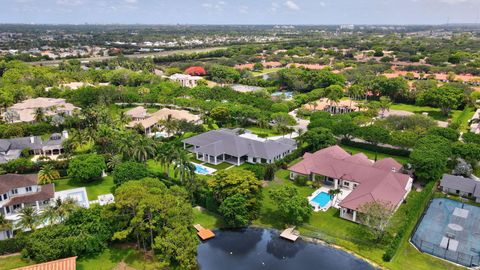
[342,106]
[235,147]
[475,123]
[185,80]
[18,191]
[459,185]
[25,110]
[150,121]
[363,180]
[11,149]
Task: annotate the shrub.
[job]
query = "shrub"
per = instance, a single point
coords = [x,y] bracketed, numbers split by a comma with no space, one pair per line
[129,171]
[470,137]
[257,169]
[86,168]
[11,245]
[20,165]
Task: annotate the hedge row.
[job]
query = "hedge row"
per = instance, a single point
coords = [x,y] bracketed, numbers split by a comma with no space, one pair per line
[376,148]
[413,213]
[11,245]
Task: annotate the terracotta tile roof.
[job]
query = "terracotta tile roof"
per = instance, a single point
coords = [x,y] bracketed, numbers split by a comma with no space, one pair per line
[377,181]
[62,264]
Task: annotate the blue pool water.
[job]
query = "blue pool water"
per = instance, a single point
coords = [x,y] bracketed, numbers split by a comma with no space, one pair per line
[322,199]
[200,169]
[287,94]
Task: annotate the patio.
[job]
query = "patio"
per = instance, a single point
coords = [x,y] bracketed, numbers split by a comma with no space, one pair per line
[333,203]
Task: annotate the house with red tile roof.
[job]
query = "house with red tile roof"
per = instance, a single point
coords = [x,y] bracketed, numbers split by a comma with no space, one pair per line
[365,180]
[62,264]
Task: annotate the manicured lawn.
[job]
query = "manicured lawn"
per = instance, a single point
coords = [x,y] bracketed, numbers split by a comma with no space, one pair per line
[206,219]
[435,113]
[463,117]
[99,187]
[221,166]
[12,262]
[265,71]
[263,131]
[371,155]
[111,257]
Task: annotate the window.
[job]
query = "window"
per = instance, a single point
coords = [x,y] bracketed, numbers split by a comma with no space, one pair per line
[346,184]
[14,191]
[16,206]
[458,191]
[5,196]
[1,198]
[28,189]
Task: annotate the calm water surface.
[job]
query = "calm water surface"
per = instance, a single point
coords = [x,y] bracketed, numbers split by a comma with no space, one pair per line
[252,249]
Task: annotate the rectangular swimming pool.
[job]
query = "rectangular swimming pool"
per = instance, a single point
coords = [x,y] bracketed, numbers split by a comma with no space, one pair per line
[322,199]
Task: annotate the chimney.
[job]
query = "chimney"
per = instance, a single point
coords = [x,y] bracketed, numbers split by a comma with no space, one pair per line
[32,139]
[65,134]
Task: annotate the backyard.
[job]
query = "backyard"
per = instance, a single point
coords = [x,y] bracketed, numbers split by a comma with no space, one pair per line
[371,154]
[98,187]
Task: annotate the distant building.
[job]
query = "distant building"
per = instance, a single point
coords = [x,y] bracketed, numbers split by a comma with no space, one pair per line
[475,123]
[461,186]
[11,149]
[18,191]
[185,80]
[25,110]
[149,121]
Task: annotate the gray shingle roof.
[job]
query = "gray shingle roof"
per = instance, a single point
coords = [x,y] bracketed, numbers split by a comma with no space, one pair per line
[225,141]
[463,184]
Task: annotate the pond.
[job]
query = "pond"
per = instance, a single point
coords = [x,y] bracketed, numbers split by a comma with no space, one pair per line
[254,249]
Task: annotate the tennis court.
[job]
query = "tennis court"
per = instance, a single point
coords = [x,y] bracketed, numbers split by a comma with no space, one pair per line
[450,230]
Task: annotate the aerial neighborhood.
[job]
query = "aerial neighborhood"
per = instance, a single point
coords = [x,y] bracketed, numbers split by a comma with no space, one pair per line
[189,146]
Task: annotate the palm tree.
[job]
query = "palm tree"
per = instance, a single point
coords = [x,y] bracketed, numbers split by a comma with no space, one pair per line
[169,125]
[313,104]
[39,115]
[183,167]
[113,161]
[47,174]
[143,149]
[59,210]
[10,116]
[29,218]
[5,224]
[333,193]
[165,154]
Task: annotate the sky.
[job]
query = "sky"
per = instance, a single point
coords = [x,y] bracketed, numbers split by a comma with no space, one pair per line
[240,11]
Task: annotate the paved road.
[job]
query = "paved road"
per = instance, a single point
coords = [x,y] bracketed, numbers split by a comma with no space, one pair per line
[301,123]
[101,58]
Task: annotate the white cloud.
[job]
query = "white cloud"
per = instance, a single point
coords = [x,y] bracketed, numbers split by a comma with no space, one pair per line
[131,1]
[70,2]
[292,5]
[217,6]
[243,9]
[322,4]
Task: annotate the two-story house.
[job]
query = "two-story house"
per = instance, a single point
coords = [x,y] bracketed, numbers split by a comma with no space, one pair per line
[18,191]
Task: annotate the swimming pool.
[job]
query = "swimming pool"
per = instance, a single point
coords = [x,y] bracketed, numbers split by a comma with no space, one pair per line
[200,169]
[322,199]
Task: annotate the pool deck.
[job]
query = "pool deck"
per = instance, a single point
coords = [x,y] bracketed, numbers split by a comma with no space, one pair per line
[335,203]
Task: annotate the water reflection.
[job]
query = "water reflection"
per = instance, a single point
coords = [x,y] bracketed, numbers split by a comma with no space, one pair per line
[256,249]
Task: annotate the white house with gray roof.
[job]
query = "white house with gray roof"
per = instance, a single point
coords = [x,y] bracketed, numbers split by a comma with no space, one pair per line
[237,147]
[466,187]
[11,149]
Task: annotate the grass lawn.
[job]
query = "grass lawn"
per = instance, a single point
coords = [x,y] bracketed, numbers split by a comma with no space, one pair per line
[265,71]
[106,260]
[435,113]
[371,155]
[263,131]
[207,219]
[463,117]
[99,187]
[12,262]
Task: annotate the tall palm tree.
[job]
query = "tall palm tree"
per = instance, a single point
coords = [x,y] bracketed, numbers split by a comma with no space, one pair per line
[10,116]
[47,174]
[385,103]
[183,167]
[165,154]
[143,149]
[59,210]
[29,218]
[113,161]
[333,193]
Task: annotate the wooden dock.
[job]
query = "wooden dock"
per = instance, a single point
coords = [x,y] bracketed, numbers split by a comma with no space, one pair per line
[290,234]
[203,233]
